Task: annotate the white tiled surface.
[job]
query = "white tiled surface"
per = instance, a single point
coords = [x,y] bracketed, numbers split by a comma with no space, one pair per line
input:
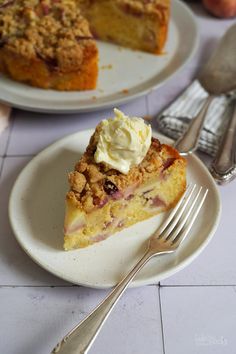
[16,268]
[217,264]
[199,320]
[197,305]
[38,317]
[43,130]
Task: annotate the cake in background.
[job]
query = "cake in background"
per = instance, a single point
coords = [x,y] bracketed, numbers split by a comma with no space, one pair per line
[49,44]
[137,24]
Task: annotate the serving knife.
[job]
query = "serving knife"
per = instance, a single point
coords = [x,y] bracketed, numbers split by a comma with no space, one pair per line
[223,167]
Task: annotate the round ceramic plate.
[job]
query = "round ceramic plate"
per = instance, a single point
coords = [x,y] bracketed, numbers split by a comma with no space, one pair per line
[37,211]
[123,75]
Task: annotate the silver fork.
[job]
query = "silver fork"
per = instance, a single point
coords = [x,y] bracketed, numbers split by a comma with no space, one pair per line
[165,240]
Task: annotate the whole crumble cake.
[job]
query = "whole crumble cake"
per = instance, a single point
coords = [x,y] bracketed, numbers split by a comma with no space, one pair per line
[50,43]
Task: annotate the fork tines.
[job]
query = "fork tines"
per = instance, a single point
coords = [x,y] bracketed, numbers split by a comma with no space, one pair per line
[181,219]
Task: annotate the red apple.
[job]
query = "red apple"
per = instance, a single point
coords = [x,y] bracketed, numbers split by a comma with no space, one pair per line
[221,8]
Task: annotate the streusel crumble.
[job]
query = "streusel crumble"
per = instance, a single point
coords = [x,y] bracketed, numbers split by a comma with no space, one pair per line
[48,44]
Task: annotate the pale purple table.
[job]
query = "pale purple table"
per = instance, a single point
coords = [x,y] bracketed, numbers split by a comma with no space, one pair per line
[191,312]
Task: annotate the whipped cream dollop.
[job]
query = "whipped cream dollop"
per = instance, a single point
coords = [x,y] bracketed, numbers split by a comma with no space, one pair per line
[123,141]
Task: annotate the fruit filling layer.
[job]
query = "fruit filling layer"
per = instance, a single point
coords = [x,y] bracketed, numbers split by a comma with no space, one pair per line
[124,209]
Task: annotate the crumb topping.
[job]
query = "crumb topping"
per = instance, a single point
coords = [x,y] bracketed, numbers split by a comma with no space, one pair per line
[139,7]
[52,30]
[92,185]
[136,7]
[55,30]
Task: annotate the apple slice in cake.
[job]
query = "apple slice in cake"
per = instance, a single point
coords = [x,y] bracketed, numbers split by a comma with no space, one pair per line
[102,200]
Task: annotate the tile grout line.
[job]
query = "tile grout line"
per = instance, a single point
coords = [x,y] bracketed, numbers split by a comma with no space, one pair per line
[20,155]
[12,120]
[196,285]
[79,286]
[161,319]
[1,166]
[147,105]
[38,286]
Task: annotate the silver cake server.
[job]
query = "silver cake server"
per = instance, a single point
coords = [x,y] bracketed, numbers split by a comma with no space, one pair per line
[217,77]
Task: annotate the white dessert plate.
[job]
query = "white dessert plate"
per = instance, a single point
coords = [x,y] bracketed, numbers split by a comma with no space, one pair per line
[124,74]
[36,212]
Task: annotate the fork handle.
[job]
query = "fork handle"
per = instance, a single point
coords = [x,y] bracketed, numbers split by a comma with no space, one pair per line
[81,338]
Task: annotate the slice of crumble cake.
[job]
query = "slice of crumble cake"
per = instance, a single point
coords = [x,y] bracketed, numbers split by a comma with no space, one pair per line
[124,176]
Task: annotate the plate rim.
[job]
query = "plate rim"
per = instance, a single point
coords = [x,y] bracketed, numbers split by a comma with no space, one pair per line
[180,6]
[136,283]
